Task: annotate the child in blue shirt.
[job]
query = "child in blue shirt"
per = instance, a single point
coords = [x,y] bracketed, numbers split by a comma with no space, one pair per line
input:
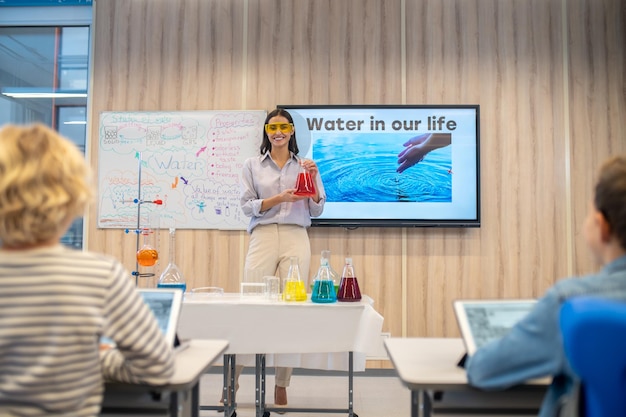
[534,347]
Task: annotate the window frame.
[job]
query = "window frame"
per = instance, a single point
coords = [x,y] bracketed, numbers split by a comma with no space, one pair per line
[56,16]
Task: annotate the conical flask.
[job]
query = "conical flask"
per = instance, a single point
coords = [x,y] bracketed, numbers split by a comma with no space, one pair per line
[349,286]
[147,255]
[304,184]
[172,277]
[333,274]
[294,289]
[323,286]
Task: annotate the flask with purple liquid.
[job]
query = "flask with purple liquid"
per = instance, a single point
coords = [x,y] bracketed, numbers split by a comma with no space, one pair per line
[349,286]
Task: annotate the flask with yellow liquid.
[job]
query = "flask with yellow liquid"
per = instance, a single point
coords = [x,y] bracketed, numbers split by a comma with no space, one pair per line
[294,289]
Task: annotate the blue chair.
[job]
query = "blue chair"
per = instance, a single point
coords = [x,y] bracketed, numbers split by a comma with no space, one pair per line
[594,337]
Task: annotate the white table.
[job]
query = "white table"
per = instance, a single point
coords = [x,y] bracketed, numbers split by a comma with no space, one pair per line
[428,367]
[181,393]
[291,334]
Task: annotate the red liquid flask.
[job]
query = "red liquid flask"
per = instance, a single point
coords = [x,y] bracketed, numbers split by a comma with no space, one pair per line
[304,185]
[349,286]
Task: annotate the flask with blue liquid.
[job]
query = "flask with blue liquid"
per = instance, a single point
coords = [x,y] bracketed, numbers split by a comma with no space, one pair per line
[172,277]
[324,286]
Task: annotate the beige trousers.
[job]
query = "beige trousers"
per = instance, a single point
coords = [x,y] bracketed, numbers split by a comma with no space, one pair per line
[270,249]
[272,245]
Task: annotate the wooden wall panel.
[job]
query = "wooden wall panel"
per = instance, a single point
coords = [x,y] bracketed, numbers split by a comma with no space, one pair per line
[162,55]
[597,102]
[328,52]
[503,56]
[548,75]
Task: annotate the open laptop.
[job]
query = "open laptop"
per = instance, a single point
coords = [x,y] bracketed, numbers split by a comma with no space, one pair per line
[481,321]
[166,305]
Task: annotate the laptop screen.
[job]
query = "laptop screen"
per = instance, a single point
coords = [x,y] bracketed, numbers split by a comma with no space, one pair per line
[165,305]
[481,321]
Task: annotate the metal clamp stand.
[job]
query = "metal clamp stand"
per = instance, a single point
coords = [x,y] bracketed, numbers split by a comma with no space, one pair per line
[139,201]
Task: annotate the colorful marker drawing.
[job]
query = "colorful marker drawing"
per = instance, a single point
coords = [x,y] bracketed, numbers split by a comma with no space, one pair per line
[163,158]
[138,156]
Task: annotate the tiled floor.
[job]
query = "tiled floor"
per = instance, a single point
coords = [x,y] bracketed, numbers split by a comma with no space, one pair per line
[377,393]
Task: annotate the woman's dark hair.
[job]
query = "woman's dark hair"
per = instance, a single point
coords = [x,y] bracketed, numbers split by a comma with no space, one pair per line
[266,145]
[610,196]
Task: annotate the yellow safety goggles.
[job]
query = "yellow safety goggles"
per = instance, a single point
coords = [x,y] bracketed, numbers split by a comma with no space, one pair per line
[275,127]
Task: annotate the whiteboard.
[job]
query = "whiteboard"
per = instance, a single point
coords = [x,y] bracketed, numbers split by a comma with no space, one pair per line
[191,161]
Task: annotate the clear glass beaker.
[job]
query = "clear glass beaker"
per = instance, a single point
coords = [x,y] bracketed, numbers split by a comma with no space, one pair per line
[206,292]
[272,287]
[294,289]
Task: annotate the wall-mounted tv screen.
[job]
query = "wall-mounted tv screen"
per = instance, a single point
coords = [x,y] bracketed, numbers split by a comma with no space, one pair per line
[404,166]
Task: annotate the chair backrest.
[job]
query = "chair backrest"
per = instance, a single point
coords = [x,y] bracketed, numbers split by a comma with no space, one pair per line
[594,337]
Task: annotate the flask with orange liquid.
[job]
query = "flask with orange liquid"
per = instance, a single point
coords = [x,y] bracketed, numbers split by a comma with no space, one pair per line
[147,255]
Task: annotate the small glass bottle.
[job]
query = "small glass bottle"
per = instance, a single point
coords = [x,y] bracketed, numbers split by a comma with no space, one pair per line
[323,286]
[333,274]
[172,277]
[147,255]
[294,286]
[349,286]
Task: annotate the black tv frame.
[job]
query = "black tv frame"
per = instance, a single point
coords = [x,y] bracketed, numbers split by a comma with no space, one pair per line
[353,223]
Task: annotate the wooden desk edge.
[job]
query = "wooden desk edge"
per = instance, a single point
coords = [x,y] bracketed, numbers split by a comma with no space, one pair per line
[452,384]
[181,379]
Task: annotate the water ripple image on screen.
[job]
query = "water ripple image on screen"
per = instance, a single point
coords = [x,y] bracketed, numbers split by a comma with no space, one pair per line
[364,170]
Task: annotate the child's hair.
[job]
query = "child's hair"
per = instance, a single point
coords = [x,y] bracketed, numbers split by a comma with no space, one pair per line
[44,184]
[610,195]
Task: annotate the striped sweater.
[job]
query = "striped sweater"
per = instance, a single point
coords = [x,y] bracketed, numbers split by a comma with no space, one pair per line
[55,303]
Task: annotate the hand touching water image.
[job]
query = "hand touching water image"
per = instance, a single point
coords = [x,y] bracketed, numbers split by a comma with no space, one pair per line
[417,147]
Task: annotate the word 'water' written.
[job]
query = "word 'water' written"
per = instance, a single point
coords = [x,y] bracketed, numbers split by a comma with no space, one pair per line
[432,123]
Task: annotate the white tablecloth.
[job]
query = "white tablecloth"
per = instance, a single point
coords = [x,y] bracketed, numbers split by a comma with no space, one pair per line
[295,334]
